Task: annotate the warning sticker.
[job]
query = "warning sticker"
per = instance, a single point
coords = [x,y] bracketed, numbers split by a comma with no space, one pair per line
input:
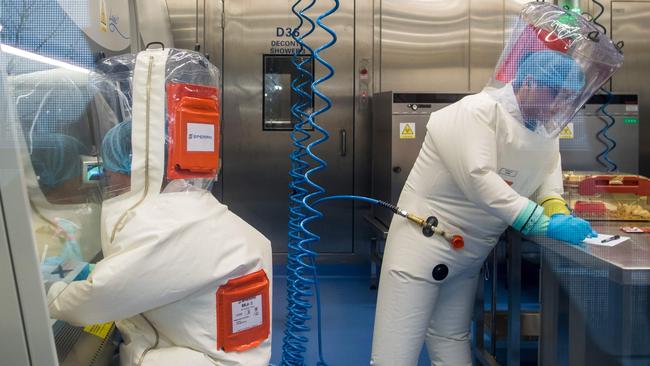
[100,330]
[246,313]
[567,132]
[407,130]
[200,137]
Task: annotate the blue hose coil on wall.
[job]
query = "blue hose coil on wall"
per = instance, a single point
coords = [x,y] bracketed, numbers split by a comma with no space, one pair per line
[603,137]
[301,263]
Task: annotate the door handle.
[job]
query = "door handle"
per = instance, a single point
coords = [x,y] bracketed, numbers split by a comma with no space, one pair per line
[344,142]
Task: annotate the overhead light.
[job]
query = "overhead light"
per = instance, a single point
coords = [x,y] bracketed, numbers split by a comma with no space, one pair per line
[46,60]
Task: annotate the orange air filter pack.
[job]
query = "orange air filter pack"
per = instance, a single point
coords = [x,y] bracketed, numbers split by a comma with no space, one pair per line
[193,131]
[243,312]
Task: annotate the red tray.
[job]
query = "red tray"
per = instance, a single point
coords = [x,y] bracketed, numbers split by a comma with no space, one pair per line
[601,184]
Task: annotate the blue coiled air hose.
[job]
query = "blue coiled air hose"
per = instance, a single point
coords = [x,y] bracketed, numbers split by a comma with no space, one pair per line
[305,194]
[301,263]
[603,137]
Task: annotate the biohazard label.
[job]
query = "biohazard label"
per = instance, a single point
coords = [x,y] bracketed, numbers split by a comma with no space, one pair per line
[407,130]
[567,132]
[246,313]
[100,330]
[200,137]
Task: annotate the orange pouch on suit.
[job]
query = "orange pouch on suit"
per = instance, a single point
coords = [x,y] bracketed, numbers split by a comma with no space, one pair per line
[193,130]
[243,312]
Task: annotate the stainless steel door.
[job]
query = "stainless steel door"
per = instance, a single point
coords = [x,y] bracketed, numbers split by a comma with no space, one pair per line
[629,22]
[424,45]
[256,160]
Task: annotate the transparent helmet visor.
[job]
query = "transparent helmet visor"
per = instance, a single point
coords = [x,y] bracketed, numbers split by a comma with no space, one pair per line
[191,125]
[112,93]
[555,61]
[116,156]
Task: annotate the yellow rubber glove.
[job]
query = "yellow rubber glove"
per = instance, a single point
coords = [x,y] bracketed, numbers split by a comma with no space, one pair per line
[554,205]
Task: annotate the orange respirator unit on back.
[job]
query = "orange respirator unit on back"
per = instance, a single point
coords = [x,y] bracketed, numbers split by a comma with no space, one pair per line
[194,131]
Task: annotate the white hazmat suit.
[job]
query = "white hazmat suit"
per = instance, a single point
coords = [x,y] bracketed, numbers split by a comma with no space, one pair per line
[483,161]
[472,147]
[168,253]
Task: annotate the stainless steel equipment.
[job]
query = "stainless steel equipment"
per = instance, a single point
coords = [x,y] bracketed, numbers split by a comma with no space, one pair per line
[256,142]
[414,52]
[440,56]
[579,145]
[628,20]
[399,127]
[394,151]
[383,45]
[599,293]
[437,46]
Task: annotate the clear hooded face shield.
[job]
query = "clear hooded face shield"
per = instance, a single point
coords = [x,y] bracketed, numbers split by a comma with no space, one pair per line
[160,125]
[555,61]
[116,153]
[111,86]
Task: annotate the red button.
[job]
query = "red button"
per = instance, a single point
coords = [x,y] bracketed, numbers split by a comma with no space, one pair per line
[457,242]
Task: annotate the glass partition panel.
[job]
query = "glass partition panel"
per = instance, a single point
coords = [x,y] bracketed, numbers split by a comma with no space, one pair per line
[49,61]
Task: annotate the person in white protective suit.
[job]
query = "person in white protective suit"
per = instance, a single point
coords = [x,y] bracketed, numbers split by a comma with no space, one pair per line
[488,161]
[187,281]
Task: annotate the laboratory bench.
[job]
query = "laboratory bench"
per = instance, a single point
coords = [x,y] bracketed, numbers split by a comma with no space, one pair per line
[594,300]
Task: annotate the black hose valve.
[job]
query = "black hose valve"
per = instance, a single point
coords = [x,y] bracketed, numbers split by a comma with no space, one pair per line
[430,225]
